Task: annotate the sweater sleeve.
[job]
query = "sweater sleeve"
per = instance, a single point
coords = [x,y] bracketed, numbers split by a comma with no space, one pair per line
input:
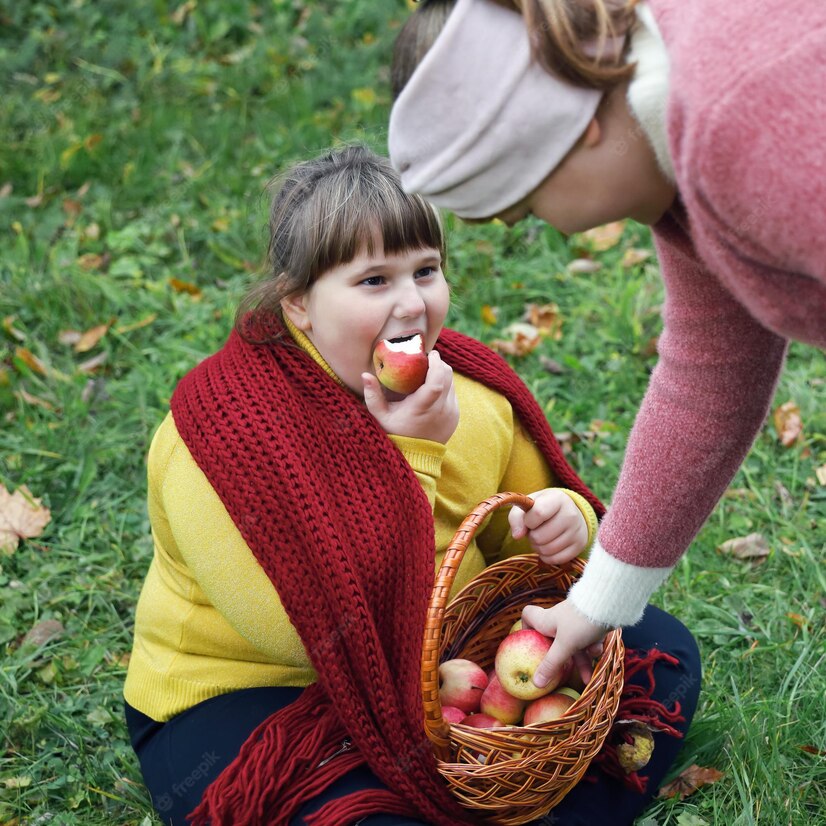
[707,399]
[527,471]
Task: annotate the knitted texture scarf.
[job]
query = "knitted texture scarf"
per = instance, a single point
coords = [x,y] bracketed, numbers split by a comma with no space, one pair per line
[338,520]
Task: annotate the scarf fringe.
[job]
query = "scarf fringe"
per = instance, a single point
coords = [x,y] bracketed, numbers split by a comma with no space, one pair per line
[637,705]
[277,768]
[360,804]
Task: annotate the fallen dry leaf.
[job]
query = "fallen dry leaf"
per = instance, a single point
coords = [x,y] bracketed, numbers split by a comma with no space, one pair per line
[523,339]
[144,322]
[91,337]
[27,397]
[91,261]
[490,315]
[185,287]
[21,517]
[799,621]
[753,546]
[31,361]
[583,265]
[788,423]
[821,475]
[43,632]
[11,330]
[604,237]
[92,364]
[551,366]
[634,256]
[546,318]
[689,781]
[813,750]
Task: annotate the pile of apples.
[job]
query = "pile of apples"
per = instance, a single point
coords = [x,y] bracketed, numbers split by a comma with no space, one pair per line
[506,695]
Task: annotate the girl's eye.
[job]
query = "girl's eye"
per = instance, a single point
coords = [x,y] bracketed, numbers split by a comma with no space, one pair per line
[424,272]
[374,281]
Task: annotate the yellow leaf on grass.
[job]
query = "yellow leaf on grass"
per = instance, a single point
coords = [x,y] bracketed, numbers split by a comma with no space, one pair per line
[633,256]
[22,516]
[604,237]
[91,337]
[185,287]
[821,474]
[788,423]
[31,361]
[490,315]
[364,96]
[136,325]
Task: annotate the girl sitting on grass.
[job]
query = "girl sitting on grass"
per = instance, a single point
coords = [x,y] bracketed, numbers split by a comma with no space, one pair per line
[300,513]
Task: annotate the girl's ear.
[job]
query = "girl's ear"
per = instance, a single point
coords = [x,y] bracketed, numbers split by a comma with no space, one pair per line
[294,307]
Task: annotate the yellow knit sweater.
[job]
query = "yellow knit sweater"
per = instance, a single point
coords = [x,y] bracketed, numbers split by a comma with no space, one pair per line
[209,620]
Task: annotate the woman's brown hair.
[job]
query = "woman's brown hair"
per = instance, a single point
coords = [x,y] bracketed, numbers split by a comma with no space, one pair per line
[569,38]
[325,212]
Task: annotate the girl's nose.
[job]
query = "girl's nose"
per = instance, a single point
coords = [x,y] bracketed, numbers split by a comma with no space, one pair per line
[409,303]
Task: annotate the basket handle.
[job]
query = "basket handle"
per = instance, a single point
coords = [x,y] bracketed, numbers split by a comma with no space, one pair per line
[438,731]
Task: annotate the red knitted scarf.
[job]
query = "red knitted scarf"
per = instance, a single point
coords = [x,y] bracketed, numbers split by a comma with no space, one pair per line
[336,517]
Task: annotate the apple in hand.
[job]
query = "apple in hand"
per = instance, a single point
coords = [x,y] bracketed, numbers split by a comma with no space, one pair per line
[517,659]
[551,706]
[499,704]
[401,364]
[482,721]
[451,714]
[461,683]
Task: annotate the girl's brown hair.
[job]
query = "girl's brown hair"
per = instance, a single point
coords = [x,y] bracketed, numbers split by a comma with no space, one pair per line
[569,38]
[324,213]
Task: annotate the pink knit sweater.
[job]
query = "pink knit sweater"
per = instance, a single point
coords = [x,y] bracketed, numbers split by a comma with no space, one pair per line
[743,258]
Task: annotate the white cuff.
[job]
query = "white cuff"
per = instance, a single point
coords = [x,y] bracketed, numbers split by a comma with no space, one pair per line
[612,592]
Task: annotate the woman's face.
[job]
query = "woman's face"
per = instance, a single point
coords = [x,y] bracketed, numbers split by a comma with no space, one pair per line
[610,174]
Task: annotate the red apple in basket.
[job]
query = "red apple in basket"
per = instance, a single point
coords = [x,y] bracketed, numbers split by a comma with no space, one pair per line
[499,704]
[461,683]
[482,721]
[401,364]
[550,707]
[452,714]
[517,659]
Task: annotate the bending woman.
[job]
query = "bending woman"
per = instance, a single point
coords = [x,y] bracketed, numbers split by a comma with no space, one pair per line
[700,119]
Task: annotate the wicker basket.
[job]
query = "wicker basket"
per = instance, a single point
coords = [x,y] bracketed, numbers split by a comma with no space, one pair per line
[515,774]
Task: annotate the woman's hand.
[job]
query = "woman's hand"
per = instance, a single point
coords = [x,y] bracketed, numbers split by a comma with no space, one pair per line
[432,412]
[574,636]
[555,526]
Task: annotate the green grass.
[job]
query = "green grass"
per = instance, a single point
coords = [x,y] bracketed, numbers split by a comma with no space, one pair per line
[145,138]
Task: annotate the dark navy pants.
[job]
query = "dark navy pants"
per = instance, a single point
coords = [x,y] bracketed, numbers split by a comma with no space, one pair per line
[181,757]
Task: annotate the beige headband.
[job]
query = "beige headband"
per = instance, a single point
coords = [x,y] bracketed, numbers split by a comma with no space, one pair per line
[480,125]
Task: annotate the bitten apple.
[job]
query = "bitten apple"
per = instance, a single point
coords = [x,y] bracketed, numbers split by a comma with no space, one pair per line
[499,704]
[551,706]
[517,659]
[401,365]
[452,714]
[461,683]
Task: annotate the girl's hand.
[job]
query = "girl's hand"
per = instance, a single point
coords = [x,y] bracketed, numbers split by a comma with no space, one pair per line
[432,412]
[574,636]
[555,526]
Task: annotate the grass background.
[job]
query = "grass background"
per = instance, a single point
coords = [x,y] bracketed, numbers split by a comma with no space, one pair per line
[135,143]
